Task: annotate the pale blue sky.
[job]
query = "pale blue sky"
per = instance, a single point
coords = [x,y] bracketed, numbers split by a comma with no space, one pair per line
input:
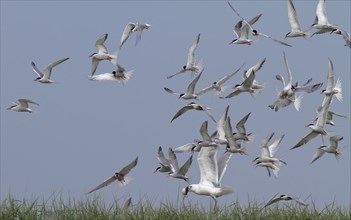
[84,131]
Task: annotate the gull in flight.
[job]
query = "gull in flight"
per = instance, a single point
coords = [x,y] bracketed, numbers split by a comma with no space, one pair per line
[268,157]
[119,75]
[288,94]
[193,105]
[44,77]
[120,176]
[294,23]
[131,28]
[218,85]
[165,164]
[283,197]
[332,148]
[190,93]
[243,39]
[177,172]
[102,54]
[211,174]
[22,106]
[321,21]
[190,65]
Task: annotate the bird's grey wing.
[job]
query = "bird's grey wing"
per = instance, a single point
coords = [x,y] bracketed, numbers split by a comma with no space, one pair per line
[237,28]
[227,77]
[36,70]
[251,22]
[222,164]
[346,37]
[305,139]
[292,17]
[249,80]
[273,148]
[247,26]
[288,70]
[322,115]
[337,114]
[254,68]
[204,132]
[191,52]
[318,154]
[120,68]
[173,160]
[208,113]
[103,184]
[181,111]
[299,201]
[184,148]
[94,65]
[232,94]
[229,135]
[330,77]
[24,102]
[264,142]
[100,44]
[275,40]
[170,91]
[221,123]
[309,89]
[48,68]
[191,87]
[161,157]
[139,31]
[334,141]
[273,200]
[307,82]
[184,169]
[125,170]
[206,89]
[240,126]
[207,162]
[321,12]
[128,30]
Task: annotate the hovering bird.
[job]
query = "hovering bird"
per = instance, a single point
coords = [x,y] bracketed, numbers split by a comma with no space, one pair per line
[331,88]
[321,21]
[255,85]
[218,85]
[190,65]
[330,114]
[245,86]
[177,172]
[283,197]
[120,176]
[45,77]
[332,148]
[243,39]
[165,164]
[288,94]
[221,127]
[233,145]
[294,23]
[241,131]
[190,93]
[131,28]
[102,54]
[119,75]
[193,105]
[268,157]
[22,106]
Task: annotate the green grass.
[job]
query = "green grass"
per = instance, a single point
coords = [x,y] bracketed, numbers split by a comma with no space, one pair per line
[95,208]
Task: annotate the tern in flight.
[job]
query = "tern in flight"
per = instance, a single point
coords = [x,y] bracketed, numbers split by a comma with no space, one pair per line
[44,77]
[190,65]
[294,23]
[193,105]
[120,176]
[22,106]
[102,54]
[119,75]
[282,197]
[332,148]
[321,21]
[130,28]
[165,164]
[177,172]
[211,173]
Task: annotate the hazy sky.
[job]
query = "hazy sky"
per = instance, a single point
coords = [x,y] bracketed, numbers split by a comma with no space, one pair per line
[84,131]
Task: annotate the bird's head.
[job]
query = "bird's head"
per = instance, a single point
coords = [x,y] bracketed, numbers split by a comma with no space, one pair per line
[157,169]
[181,95]
[287,35]
[92,54]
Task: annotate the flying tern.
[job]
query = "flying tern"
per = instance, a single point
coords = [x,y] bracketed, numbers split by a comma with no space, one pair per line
[255,85]
[294,23]
[321,21]
[211,173]
[177,172]
[330,114]
[165,164]
[245,86]
[193,105]
[120,176]
[190,65]
[331,88]
[22,106]
[130,28]
[233,145]
[283,197]
[119,75]
[102,54]
[44,77]
[332,148]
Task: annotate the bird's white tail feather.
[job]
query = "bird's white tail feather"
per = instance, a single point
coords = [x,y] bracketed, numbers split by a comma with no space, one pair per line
[127,179]
[225,190]
[223,88]
[297,102]
[114,58]
[200,66]
[127,76]
[338,87]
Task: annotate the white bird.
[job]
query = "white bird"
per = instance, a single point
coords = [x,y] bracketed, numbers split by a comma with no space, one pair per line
[218,84]
[190,93]
[119,75]
[102,54]
[294,23]
[221,127]
[131,28]
[212,172]
[120,176]
[189,147]
[345,35]
[255,85]
[177,172]
[330,114]
[206,138]
[22,106]
[256,33]
[245,86]
[165,164]
[241,134]
[321,21]
[288,94]
[268,155]
[331,88]
[193,105]
[332,148]
[283,197]
[233,145]
[44,77]
[190,65]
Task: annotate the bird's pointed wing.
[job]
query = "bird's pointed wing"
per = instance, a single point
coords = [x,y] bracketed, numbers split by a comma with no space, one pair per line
[321,12]
[103,184]
[181,111]
[275,199]
[24,102]
[139,31]
[204,132]
[36,70]
[191,87]
[125,170]
[100,44]
[264,142]
[273,148]
[170,91]
[318,154]
[128,30]
[309,89]
[222,164]
[254,68]
[237,28]
[191,52]
[221,123]
[232,94]
[185,148]
[292,17]
[208,166]
[228,76]
[249,80]
[206,110]
[161,157]
[299,201]
[229,135]
[173,160]
[274,39]
[334,141]
[48,68]
[247,26]
[288,70]
[184,169]
[305,139]
[240,126]
[251,22]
